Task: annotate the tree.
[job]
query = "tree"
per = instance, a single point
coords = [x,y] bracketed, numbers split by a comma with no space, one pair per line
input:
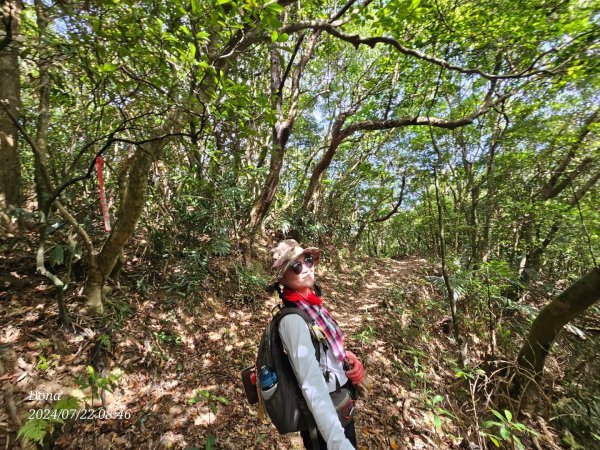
[10,171]
[283,126]
[573,301]
[124,79]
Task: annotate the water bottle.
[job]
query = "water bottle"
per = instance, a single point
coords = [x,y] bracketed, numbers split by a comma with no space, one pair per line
[267,378]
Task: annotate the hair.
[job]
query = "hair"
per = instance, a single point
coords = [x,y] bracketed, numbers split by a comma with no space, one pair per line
[277,287]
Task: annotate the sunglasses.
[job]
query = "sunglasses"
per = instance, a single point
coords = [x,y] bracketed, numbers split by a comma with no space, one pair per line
[309,261]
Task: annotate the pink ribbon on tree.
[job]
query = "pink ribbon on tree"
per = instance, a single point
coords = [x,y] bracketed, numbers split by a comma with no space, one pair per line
[105,217]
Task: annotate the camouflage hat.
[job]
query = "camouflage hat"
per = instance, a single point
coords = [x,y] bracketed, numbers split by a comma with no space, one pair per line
[286,252]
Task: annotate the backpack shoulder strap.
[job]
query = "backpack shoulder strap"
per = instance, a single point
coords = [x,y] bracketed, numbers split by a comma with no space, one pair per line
[288,309]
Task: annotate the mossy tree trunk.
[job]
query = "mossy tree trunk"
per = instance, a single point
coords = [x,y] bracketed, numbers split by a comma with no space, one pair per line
[547,325]
[103,262]
[10,171]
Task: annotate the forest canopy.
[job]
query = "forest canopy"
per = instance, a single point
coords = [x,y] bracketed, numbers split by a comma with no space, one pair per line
[162,147]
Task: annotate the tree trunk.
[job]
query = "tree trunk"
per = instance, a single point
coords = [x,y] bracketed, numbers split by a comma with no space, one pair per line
[533,261]
[281,132]
[10,170]
[432,234]
[282,129]
[355,241]
[102,263]
[43,119]
[261,207]
[484,249]
[441,235]
[123,230]
[474,228]
[321,168]
[545,328]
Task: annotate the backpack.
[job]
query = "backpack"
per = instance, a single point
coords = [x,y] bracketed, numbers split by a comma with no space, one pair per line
[286,406]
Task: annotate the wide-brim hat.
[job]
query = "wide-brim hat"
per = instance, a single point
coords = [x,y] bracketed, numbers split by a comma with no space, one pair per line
[286,252]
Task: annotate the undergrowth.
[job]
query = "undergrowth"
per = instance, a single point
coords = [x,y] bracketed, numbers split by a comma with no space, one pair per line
[473,400]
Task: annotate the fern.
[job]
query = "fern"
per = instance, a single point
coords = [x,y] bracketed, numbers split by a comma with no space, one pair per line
[104,341]
[35,430]
[66,403]
[220,246]
[458,283]
[284,226]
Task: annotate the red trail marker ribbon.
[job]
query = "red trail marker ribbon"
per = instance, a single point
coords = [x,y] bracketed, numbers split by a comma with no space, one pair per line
[105,217]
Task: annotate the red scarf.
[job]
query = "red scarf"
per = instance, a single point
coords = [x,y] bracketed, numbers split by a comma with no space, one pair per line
[293,296]
[312,305]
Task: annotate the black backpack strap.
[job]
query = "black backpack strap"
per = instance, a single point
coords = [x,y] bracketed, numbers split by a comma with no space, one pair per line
[314,437]
[289,308]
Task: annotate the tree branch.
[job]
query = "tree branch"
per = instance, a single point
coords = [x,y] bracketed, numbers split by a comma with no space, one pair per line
[583,189]
[395,209]
[373,125]
[290,63]
[550,189]
[356,40]
[48,181]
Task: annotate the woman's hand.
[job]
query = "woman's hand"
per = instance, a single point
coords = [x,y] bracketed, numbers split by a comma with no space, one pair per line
[356,371]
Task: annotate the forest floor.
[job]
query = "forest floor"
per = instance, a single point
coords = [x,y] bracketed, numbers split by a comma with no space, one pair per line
[179,363]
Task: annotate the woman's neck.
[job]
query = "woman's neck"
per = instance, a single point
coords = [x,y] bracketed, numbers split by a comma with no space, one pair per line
[305,291]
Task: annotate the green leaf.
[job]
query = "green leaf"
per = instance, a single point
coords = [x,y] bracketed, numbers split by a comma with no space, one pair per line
[42,364]
[195,6]
[283,37]
[210,442]
[275,7]
[222,400]
[520,445]
[437,422]
[498,415]
[414,4]
[107,68]
[437,399]
[508,414]
[274,36]
[57,255]
[505,433]
[494,440]
[202,35]
[66,403]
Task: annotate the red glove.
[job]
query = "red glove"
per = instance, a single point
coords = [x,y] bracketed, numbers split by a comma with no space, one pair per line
[356,371]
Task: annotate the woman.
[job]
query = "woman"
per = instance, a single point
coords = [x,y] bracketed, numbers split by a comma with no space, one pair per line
[294,268]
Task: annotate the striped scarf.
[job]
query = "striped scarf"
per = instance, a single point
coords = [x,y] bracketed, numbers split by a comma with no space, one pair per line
[314,308]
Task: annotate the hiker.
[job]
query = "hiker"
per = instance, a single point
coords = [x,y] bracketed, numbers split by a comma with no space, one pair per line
[294,269]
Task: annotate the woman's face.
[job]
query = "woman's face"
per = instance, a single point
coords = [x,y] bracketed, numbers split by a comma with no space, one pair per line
[305,279]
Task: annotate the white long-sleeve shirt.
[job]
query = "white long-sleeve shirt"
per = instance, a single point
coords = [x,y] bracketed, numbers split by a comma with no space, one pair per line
[297,342]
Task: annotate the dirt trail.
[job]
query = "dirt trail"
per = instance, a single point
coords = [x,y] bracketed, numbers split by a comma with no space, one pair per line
[168,353]
[357,298]
[363,310]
